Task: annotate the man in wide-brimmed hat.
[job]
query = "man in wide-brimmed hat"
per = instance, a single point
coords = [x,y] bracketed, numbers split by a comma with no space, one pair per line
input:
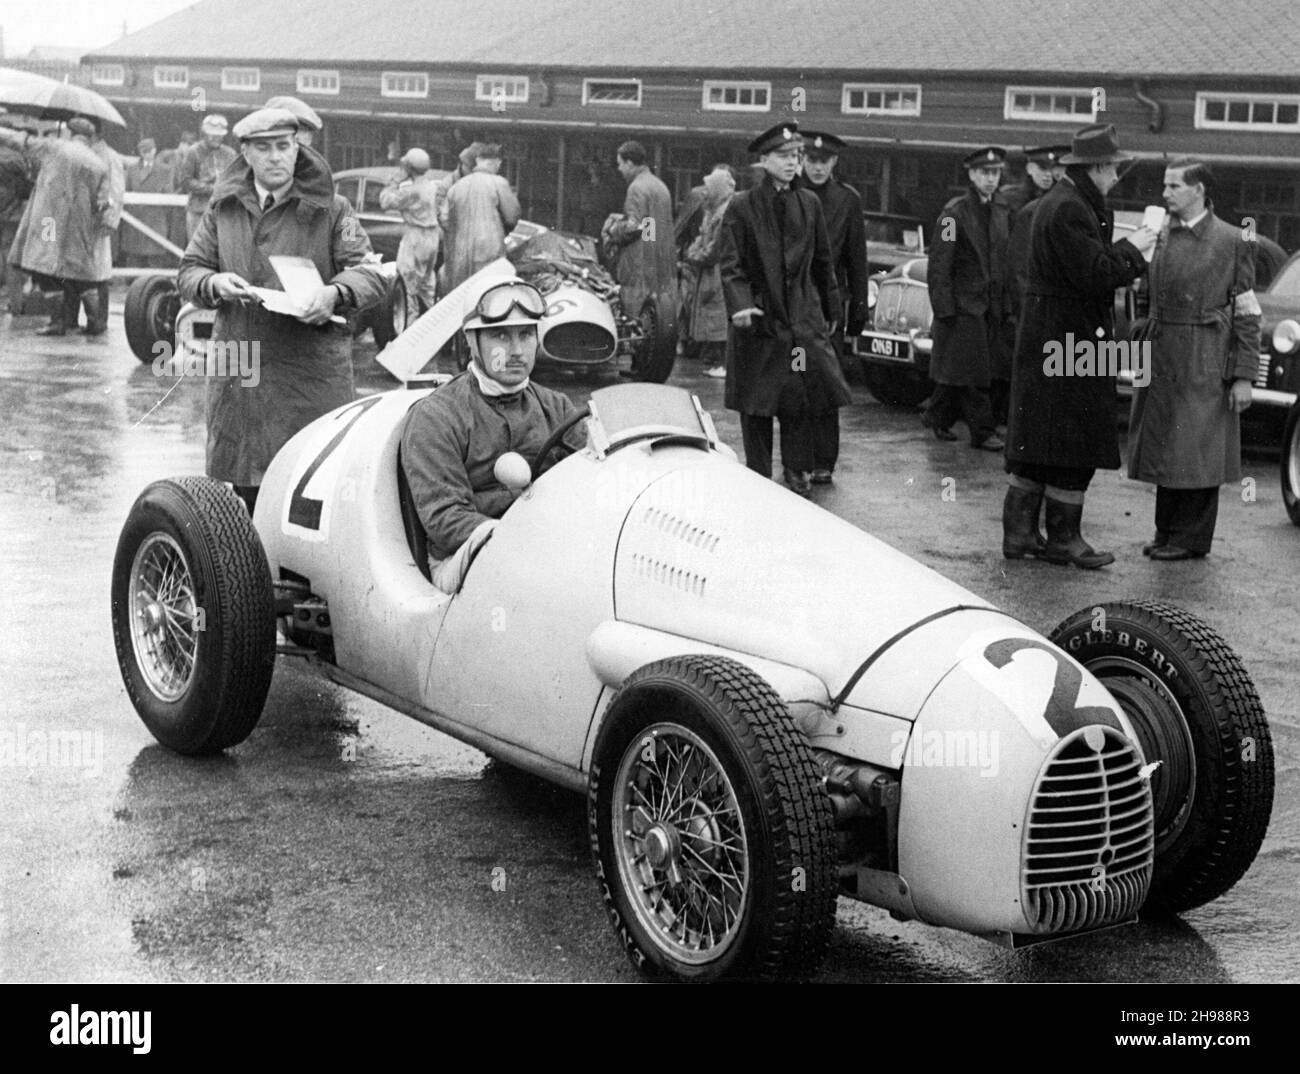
[1061,425]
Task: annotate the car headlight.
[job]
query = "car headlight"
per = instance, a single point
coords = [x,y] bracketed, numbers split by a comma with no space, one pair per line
[873,294]
[1286,336]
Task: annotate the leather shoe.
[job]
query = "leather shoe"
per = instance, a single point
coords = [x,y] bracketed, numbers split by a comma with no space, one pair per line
[52,330]
[1168,552]
[939,434]
[821,477]
[798,482]
[992,443]
[1151,546]
[96,330]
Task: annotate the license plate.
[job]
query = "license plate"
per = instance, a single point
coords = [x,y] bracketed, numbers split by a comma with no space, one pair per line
[890,348]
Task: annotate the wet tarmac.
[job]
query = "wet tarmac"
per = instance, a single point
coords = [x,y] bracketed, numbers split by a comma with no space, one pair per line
[345,842]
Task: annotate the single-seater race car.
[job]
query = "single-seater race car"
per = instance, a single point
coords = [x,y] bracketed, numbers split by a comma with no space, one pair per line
[766,707]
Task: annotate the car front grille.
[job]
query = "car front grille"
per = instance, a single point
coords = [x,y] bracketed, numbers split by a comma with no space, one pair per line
[901,306]
[1089,842]
[1261,372]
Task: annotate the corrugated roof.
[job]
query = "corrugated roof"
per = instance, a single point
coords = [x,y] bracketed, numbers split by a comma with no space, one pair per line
[1124,37]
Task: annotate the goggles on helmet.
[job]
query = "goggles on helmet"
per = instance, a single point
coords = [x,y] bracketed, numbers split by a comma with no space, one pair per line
[498,302]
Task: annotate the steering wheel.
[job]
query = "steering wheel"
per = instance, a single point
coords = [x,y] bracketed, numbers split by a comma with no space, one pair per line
[556,440]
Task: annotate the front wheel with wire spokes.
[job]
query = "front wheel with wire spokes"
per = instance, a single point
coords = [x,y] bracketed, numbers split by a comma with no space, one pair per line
[193,615]
[713,837]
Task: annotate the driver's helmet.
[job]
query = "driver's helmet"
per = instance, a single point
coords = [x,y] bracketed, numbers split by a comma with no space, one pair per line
[506,302]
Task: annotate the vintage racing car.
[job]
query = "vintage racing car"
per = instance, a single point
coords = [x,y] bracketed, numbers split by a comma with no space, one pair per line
[766,707]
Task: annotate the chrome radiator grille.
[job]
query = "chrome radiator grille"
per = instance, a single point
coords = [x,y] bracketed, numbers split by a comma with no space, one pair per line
[1261,371]
[1089,842]
[902,305]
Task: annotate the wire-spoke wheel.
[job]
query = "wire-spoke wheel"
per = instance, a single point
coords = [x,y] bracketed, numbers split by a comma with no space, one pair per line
[713,837]
[193,615]
[165,619]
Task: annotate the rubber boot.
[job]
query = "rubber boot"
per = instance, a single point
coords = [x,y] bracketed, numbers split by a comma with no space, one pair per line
[1065,544]
[66,315]
[92,299]
[1021,538]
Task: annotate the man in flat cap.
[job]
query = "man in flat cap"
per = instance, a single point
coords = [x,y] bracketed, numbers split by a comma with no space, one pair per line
[147,176]
[309,123]
[779,284]
[278,198]
[201,166]
[842,206]
[1061,427]
[972,325]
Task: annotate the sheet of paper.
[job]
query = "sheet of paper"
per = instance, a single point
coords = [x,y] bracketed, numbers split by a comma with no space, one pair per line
[1154,217]
[410,352]
[281,302]
[298,276]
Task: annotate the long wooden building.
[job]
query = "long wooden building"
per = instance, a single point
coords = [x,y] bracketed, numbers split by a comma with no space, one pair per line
[911,84]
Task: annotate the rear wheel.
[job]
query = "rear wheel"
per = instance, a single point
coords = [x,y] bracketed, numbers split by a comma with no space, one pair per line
[152,303]
[1291,464]
[896,387]
[713,837]
[1196,712]
[657,351]
[193,615]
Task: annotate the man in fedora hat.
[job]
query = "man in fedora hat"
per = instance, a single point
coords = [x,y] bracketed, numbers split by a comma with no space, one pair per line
[1061,427]
[779,285]
[967,277]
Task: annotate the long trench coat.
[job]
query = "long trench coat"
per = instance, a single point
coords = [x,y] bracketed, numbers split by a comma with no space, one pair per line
[481,211]
[116,203]
[706,309]
[68,213]
[303,371]
[842,207]
[152,179]
[785,361]
[647,262]
[1074,269]
[1206,334]
[967,279]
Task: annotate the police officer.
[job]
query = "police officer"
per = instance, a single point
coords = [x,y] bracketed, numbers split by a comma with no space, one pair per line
[1042,170]
[842,206]
[967,276]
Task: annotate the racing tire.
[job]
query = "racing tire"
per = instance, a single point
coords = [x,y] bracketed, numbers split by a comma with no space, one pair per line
[1291,464]
[894,388]
[1196,711]
[657,352]
[712,833]
[152,303]
[193,615]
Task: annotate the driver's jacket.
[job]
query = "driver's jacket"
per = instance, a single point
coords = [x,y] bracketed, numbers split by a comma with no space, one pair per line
[453,438]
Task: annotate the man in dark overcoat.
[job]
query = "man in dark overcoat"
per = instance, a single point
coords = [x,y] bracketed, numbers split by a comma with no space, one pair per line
[842,206]
[1043,170]
[779,285]
[967,276]
[1061,428]
[1185,429]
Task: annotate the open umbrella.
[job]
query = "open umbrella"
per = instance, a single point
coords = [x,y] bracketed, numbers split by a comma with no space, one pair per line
[46,98]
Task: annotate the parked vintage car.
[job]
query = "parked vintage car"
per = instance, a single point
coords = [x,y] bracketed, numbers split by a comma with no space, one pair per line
[892,239]
[756,733]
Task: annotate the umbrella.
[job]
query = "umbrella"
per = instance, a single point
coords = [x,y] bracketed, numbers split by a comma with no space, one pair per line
[46,98]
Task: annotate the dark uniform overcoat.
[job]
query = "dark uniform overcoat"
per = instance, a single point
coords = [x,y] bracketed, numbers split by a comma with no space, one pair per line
[785,361]
[842,206]
[1074,269]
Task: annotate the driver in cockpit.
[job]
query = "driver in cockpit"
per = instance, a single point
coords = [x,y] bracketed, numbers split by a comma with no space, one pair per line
[454,436]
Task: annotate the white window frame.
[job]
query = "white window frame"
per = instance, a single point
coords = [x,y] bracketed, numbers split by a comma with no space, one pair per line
[1275,99]
[181,81]
[231,80]
[100,76]
[386,91]
[1009,111]
[318,73]
[485,88]
[725,84]
[883,88]
[588,83]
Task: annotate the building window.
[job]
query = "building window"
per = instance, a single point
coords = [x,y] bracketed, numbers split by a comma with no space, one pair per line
[737,96]
[1039,102]
[404,84]
[1248,112]
[241,78]
[625,92]
[501,89]
[171,77]
[873,99]
[318,82]
[108,74]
